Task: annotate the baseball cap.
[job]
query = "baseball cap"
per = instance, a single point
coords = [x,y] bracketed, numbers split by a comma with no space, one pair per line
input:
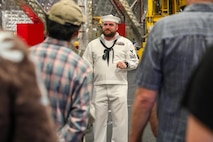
[110,18]
[66,11]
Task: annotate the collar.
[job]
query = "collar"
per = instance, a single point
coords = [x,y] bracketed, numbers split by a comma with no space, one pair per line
[199,7]
[55,41]
[117,36]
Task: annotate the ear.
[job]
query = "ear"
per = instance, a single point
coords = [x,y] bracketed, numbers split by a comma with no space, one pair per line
[116,27]
[75,34]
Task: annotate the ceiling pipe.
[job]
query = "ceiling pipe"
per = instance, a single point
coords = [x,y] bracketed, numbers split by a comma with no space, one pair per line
[133,4]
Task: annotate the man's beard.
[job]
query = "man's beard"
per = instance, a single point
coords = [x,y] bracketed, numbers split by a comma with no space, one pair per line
[111,34]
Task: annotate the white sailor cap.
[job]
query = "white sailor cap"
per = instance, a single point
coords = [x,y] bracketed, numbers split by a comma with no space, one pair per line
[110,18]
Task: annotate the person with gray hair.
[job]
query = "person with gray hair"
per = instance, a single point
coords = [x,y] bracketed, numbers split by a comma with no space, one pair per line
[111,56]
[174,48]
[67,76]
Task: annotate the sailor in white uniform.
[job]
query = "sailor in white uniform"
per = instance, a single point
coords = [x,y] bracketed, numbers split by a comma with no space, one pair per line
[111,56]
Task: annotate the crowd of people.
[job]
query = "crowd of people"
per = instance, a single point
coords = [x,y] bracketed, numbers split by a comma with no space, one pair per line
[49,93]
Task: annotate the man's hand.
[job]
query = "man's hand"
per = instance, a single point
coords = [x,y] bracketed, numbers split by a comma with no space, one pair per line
[121,65]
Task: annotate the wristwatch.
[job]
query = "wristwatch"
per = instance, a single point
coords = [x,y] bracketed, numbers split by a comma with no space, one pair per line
[127,64]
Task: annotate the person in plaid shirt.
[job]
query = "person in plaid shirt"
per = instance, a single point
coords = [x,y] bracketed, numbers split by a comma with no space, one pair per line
[67,76]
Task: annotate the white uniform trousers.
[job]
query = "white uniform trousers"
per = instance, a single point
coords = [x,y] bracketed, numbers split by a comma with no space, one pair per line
[111,96]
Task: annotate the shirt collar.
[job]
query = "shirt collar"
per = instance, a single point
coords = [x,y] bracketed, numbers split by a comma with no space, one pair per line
[199,7]
[116,37]
[55,41]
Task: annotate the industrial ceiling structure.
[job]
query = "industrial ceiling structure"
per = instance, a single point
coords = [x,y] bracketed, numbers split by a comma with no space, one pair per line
[130,11]
[138,16]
